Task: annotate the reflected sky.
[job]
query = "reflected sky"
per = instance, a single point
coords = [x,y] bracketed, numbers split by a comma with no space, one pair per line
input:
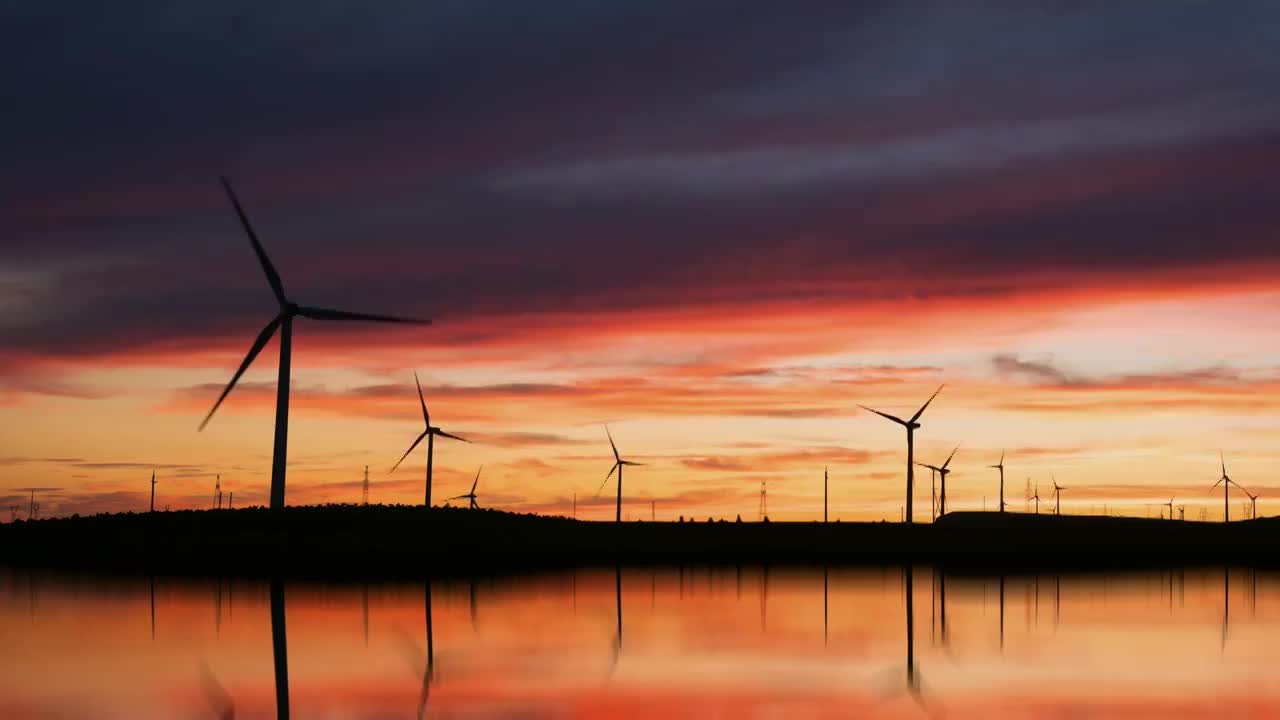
[691,642]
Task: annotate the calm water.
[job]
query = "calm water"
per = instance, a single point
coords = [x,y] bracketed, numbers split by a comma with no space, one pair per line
[672,643]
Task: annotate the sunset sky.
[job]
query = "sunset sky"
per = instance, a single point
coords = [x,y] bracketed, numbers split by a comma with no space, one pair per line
[718,227]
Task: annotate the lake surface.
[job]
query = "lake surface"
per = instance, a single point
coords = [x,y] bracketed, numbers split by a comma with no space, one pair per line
[675,643]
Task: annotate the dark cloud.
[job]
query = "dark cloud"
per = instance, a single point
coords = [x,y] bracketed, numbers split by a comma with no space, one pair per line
[1046,373]
[465,160]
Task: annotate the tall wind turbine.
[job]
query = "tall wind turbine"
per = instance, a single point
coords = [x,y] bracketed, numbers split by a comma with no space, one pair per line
[1000,466]
[1036,497]
[1226,483]
[471,495]
[911,426]
[618,463]
[942,471]
[1253,504]
[430,434]
[1057,497]
[283,321]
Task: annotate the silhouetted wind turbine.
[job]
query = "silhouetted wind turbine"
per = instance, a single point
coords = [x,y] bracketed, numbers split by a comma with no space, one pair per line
[471,495]
[430,434]
[1000,466]
[942,471]
[618,463]
[1226,483]
[911,426]
[153,491]
[283,321]
[1036,497]
[1253,504]
[1057,496]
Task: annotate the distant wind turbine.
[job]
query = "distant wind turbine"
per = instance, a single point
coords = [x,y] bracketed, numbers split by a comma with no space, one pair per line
[471,495]
[1253,504]
[1057,497]
[911,426]
[618,463]
[1036,497]
[430,434]
[1000,466]
[283,321]
[942,472]
[153,491]
[1226,483]
[824,494]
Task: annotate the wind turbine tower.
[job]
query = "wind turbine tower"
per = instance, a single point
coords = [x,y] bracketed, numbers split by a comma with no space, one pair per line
[364,487]
[764,501]
[283,321]
[429,432]
[618,464]
[911,426]
[1000,466]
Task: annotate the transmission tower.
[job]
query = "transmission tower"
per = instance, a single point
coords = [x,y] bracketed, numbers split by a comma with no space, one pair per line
[364,488]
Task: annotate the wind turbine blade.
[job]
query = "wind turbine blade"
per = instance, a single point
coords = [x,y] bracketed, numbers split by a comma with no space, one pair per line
[926,403]
[612,445]
[451,436]
[263,338]
[426,417]
[948,462]
[1001,458]
[459,497]
[1223,460]
[477,481]
[931,467]
[628,462]
[273,277]
[898,420]
[316,313]
[411,447]
[606,479]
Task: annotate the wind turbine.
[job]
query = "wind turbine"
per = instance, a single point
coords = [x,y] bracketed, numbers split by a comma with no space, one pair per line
[430,434]
[471,495]
[1253,504]
[911,426]
[153,491]
[1000,466]
[1226,483]
[1057,496]
[617,465]
[283,321]
[1036,497]
[942,471]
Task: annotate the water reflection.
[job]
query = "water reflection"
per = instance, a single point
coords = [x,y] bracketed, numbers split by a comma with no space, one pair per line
[822,641]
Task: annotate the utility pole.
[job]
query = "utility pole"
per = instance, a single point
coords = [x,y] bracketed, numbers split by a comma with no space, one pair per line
[364,489]
[153,491]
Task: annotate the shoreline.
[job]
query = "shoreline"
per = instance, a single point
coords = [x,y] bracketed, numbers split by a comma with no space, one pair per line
[347,541]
